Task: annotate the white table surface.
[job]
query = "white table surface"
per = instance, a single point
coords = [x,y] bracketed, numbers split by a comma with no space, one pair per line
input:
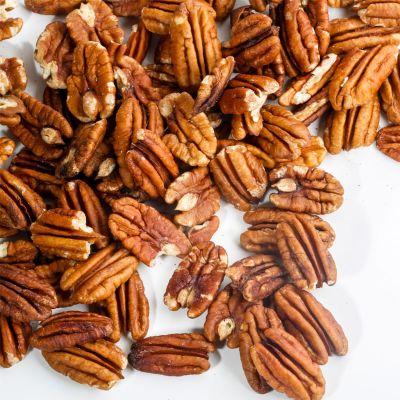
[365,299]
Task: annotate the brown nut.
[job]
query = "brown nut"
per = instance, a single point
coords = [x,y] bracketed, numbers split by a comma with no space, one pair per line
[359,76]
[203,232]
[314,108]
[310,323]
[240,176]
[21,252]
[256,277]
[390,95]
[303,189]
[54,7]
[7,147]
[173,355]
[388,141]
[98,364]
[349,129]
[340,3]
[138,42]
[378,12]
[70,328]
[102,163]
[24,296]
[196,281]
[11,108]
[63,233]
[12,75]
[195,47]
[9,27]
[222,8]
[163,78]
[127,8]
[144,231]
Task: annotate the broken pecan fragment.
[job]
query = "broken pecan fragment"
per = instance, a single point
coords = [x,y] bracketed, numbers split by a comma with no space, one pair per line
[14,341]
[196,281]
[222,8]
[102,163]
[9,27]
[203,232]
[63,233]
[162,78]
[173,355]
[11,108]
[7,232]
[12,75]
[257,277]
[53,7]
[127,8]
[349,129]
[144,231]
[388,141]
[138,42]
[390,95]
[23,295]
[70,328]
[21,252]
[98,364]
[314,108]
[303,189]
[7,147]
[340,3]
[378,12]
[310,323]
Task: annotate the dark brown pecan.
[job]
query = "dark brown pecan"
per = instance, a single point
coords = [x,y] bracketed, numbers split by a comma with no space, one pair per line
[12,75]
[303,189]
[20,251]
[196,281]
[390,95]
[127,8]
[257,277]
[7,232]
[388,141]
[53,7]
[14,341]
[310,323]
[102,163]
[70,328]
[203,232]
[98,364]
[144,231]
[157,15]
[163,78]
[23,295]
[314,108]
[173,355]
[138,42]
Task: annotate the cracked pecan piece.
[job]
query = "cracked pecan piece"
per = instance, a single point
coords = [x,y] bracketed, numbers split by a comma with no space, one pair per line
[157,15]
[12,75]
[304,255]
[7,147]
[52,7]
[389,94]
[304,189]
[70,328]
[378,12]
[11,108]
[98,364]
[196,281]
[359,76]
[203,232]
[91,89]
[163,78]
[349,129]
[285,366]
[240,176]
[128,307]
[388,141]
[63,233]
[138,42]
[23,295]
[256,277]
[150,163]
[195,47]
[192,138]
[127,8]
[172,355]
[9,27]
[222,8]
[144,231]
[20,252]
[14,341]
[53,53]
[97,278]
[314,108]
[196,198]
[78,195]
[310,323]
[101,163]
[19,204]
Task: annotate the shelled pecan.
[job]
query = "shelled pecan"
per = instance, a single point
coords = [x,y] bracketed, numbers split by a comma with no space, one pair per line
[9,27]
[203,232]
[126,8]
[389,94]
[378,12]
[314,108]
[11,108]
[138,42]
[388,141]
[21,252]
[12,75]
[7,147]
[56,7]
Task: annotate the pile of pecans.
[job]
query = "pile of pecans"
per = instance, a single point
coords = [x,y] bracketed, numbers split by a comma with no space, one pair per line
[123,162]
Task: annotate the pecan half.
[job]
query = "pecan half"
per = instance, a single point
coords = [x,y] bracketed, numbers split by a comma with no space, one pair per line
[11,108]
[222,8]
[14,341]
[257,277]
[390,95]
[303,189]
[23,295]
[196,197]
[54,7]
[7,147]
[240,176]
[98,364]
[195,47]
[7,232]
[314,108]
[203,232]
[340,3]
[349,129]
[388,141]
[102,163]
[63,233]
[138,42]
[173,355]
[378,12]
[196,281]
[359,76]
[310,323]
[9,27]
[127,8]
[18,252]
[162,78]
[12,75]
[97,278]
[144,231]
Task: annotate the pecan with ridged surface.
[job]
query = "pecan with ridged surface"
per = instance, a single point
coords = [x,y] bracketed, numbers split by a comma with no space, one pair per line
[52,7]
[222,8]
[388,141]
[102,162]
[173,355]
[378,12]
[11,108]
[9,27]
[314,108]
[7,147]
[389,94]
[127,8]
[21,252]
[138,42]
[157,15]
[6,232]
[12,75]
[339,3]
[203,232]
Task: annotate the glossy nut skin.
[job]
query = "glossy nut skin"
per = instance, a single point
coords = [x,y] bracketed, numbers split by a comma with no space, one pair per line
[378,12]
[57,7]
[390,96]
[388,141]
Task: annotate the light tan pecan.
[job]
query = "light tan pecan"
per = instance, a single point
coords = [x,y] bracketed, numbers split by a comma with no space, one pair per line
[144,231]
[196,198]
[138,42]
[19,204]
[378,12]
[314,108]
[359,76]
[52,7]
[21,252]
[14,341]
[304,189]
[9,27]
[12,75]
[11,108]
[203,232]
[389,94]
[53,53]
[70,328]
[173,355]
[98,364]
[349,129]
[23,295]
[195,47]
[7,147]
[240,176]
[196,281]
[388,141]
[127,8]
[157,15]
[310,323]
[63,233]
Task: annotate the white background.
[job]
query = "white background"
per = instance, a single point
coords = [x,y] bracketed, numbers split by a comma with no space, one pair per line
[365,299]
